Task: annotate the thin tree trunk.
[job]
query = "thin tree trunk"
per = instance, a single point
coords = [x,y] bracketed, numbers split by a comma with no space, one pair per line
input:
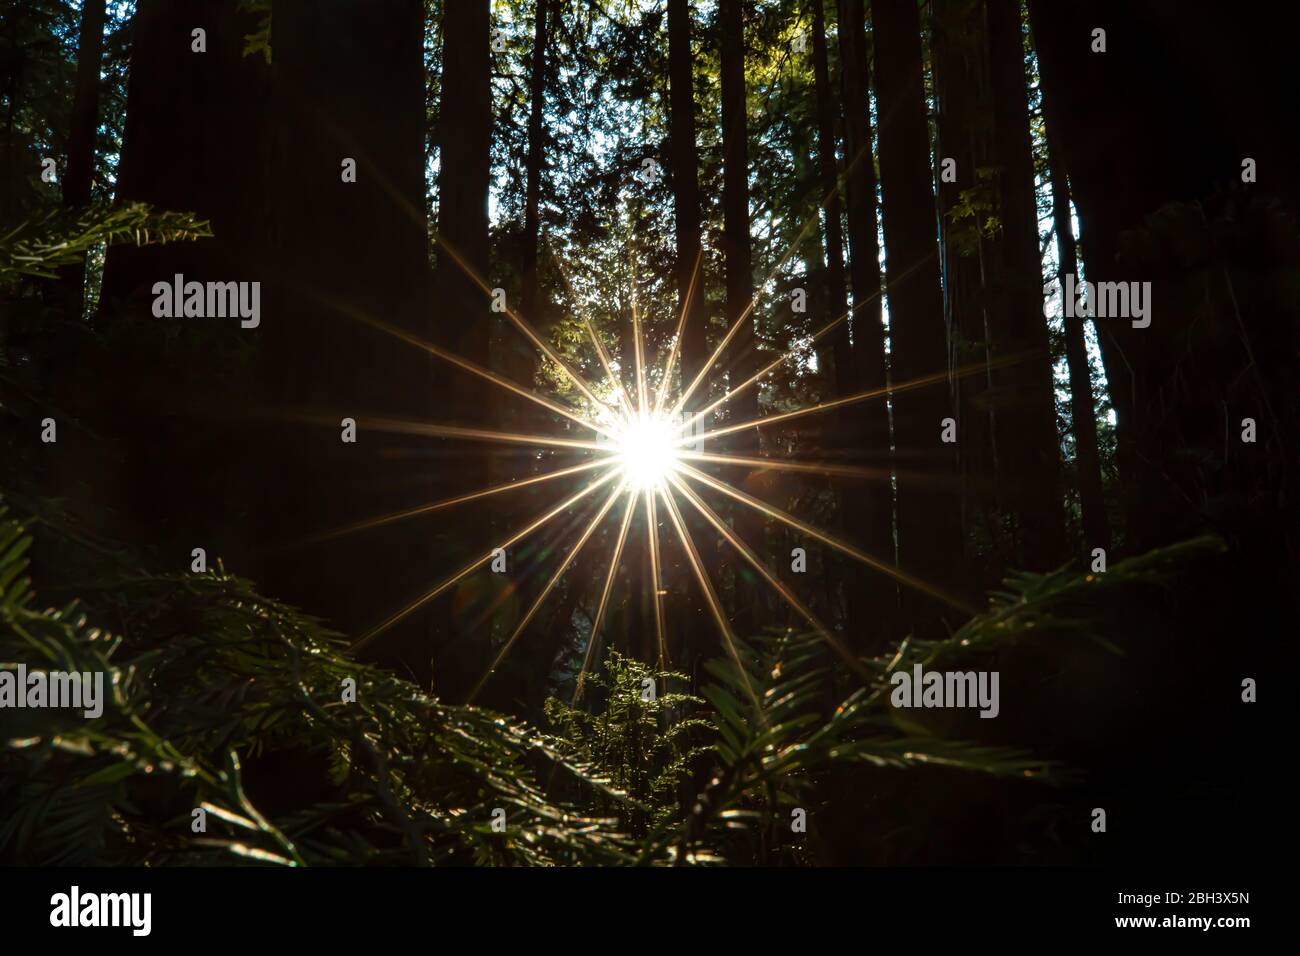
[465,319]
[80,172]
[1083,414]
[865,427]
[961,97]
[684,169]
[929,509]
[1028,443]
[696,639]
[1090,129]
[528,298]
[836,286]
[519,358]
[742,360]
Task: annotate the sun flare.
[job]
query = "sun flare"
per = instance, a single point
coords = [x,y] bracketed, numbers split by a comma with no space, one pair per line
[646,448]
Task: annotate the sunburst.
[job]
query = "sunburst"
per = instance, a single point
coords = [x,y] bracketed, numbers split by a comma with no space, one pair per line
[641,452]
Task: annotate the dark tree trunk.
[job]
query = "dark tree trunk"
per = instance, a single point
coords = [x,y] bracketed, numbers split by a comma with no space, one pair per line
[349,85]
[743,358]
[836,287]
[691,639]
[929,509]
[80,173]
[683,162]
[1123,120]
[1098,123]
[464,321]
[1083,414]
[517,357]
[194,141]
[961,99]
[869,517]
[528,297]
[1028,443]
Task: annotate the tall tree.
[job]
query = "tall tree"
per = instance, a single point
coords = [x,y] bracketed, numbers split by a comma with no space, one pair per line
[1028,444]
[514,354]
[929,511]
[1080,96]
[1083,415]
[828,165]
[79,176]
[464,318]
[962,108]
[190,87]
[683,160]
[346,167]
[1127,91]
[865,427]
[743,359]
[528,296]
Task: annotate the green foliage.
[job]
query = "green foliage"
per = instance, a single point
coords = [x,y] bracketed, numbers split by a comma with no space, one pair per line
[775,742]
[222,699]
[259,41]
[39,246]
[644,743]
[974,216]
[221,694]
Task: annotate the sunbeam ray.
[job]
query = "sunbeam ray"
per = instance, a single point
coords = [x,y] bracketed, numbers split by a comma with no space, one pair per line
[737,325]
[599,618]
[786,518]
[639,348]
[523,325]
[405,427]
[479,562]
[710,596]
[786,464]
[602,354]
[786,356]
[770,577]
[550,585]
[675,349]
[370,523]
[474,369]
[656,577]
[870,393]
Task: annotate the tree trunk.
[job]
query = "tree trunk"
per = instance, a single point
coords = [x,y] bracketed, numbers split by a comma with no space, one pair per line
[961,99]
[743,358]
[528,297]
[1028,443]
[865,427]
[1092,114]
[80,173]
[464,324]
[837,301]
[929,510]
[684,168]
[349,88]
[176,461]
[517,357]
[1083,414]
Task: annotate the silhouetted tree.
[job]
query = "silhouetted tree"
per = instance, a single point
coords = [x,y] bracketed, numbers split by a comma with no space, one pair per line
[868,516]
[929,508]
[1028,444]
[78,178]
